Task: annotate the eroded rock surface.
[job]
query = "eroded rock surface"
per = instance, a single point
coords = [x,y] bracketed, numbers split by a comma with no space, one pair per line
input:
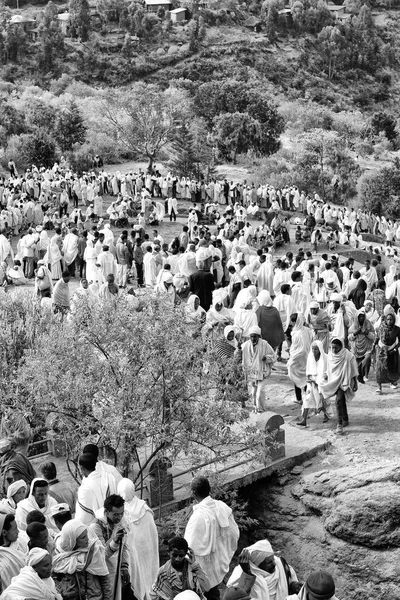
[359,504]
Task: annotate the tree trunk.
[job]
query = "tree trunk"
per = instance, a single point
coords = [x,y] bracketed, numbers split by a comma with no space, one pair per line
[151,161]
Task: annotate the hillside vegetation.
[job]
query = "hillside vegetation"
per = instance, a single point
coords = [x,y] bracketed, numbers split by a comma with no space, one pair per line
[309,101]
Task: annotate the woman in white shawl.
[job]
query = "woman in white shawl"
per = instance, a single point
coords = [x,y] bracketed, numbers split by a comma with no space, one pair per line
[245,317]
[93,273]
[301,344]
[12,555]
[265,275]
[315,372]
[34,581]
[196,314]
[340,381]
[43,243]
[142,540]
[79,564]
[16,492]
[218,316]
[53,259]
[271,580]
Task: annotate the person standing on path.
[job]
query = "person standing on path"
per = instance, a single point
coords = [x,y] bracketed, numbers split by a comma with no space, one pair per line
[212,533]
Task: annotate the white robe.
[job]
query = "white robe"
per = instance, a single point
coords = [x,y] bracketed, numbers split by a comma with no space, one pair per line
[150,270]
[92,492]
[213,536]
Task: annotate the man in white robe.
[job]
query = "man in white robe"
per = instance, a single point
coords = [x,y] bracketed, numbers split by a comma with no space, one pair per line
[107,263]
[262,574]
[38,499]
[141,540]
[149,267]
[96,486]
[212,534]
[70,250]
[5,248]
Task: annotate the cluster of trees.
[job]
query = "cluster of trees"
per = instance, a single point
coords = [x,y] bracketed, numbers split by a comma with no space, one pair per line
[239,117]
[379,190]
[38,133]
[139,382]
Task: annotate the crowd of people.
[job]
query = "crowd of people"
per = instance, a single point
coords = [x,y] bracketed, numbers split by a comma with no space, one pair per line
[330,321]
[334,321]
[99,541]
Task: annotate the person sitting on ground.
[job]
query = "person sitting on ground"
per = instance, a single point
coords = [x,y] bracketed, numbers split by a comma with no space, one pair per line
[262,574]
[15,493]
[38,499]
[180,572]
[12,557]
[61,491]
[319,586]
[34,581]
[79,564]
[61,514]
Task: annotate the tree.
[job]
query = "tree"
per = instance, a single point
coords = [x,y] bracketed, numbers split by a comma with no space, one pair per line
[70,127]
[80,18]
[39,114]
[379,191]
[35,148]
[382,121]
[137,382]
[144,120]
[236,133]
[331,46]
[11,119]
[183,159]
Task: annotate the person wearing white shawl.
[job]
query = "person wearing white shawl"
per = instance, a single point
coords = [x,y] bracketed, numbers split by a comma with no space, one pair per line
[195,312]
[38,499]
[12,555]
[316,368]
[340,317]
[245,317]
[301,344]
[95,487]
[142,540]
[34,581]
[285,305]
[5,248]
[262,572]
[257,360]
[340,380]
[319,586]
[265,274]
[70,250]
[211,533]
[79,564]
[108,235]
[16,492]
[218,316]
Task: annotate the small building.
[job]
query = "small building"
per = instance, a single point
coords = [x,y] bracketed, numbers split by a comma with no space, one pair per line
[285,17]
[64,20]
[26,23]
[178,15]
[154,5]
[336,10]
[253,23]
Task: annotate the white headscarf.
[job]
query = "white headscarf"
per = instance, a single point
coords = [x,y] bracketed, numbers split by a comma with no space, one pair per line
[67,559]
[135,508]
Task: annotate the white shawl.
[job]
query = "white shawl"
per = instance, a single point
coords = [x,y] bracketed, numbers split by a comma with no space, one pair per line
[28,584]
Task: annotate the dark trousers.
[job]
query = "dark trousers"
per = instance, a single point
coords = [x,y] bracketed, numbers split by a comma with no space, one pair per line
[71,268]
[341,407]
[172,215]
[213,593]
[81,265]
[297,391]
[139,271]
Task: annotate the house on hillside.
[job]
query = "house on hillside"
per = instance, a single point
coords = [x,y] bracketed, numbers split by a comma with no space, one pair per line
[253,23]
[28,24]
[64,21]
[178,15]
[285,17]
[154,5]
[339,12]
